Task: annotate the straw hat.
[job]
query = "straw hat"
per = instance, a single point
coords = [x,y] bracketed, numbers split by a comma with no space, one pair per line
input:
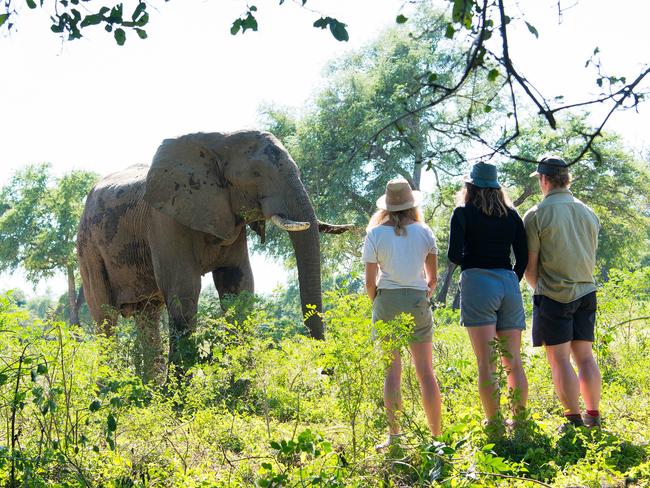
[399,196]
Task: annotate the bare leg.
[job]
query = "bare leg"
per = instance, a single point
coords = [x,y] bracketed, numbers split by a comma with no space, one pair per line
[392,393]
[431,402]
[488,389]
[564,377]
[588,373]
[517,382]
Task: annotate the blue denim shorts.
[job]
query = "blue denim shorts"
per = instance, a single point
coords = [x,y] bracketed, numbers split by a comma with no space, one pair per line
[491,296]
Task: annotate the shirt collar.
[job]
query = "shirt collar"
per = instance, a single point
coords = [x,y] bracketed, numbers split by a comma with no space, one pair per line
[556,191]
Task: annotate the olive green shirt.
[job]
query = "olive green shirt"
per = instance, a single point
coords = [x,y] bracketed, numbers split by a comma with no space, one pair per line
[564,233]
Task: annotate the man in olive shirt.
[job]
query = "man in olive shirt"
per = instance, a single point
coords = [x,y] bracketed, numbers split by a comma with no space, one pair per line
[562,235]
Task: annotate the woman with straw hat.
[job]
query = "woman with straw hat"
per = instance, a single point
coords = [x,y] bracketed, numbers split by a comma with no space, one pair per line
[484,229]
[400,256]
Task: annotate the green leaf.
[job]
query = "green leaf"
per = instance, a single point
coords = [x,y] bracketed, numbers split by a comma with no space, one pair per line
[322,22]
[450,31]
[91,20]
[532,30]
[41,368]
[236,25]
[139,10]
[31,3]
[3,19]
[111,423]
[95,405]
[432,77]
[401,19]
[487,109]
[253,8]
[142,34]
[120,36]
[493,74]
[339,31]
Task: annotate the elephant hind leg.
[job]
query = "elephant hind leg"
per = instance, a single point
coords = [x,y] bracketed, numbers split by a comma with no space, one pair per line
[97,291]
[147,322]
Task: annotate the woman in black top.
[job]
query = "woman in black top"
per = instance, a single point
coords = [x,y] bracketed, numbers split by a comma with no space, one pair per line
[484,229]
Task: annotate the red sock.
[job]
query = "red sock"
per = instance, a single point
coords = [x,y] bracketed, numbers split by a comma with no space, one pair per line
[593,413]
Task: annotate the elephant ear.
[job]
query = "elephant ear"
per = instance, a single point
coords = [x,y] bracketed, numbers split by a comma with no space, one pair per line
[186,183]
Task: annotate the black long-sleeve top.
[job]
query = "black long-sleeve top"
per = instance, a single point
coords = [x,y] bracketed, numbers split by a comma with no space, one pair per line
[477,240]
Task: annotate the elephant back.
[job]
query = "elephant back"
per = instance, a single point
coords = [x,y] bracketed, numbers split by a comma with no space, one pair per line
[186,182]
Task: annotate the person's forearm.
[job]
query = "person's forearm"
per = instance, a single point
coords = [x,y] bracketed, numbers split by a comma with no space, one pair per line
[371,289]
[531,277]
[431,272]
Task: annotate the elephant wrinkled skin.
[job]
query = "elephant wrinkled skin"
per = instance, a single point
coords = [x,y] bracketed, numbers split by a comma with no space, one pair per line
[148,234]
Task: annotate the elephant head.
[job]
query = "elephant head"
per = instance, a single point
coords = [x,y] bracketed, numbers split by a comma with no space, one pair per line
[216,183]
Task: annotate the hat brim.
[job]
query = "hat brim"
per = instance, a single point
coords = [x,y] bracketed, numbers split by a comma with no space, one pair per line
[418,196]
[481,183]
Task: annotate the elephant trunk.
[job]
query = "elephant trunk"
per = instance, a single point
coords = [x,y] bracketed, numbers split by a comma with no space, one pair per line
[306,245]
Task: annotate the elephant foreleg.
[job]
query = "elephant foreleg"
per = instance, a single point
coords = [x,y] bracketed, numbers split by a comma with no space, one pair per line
[147,322]
[235,274]
[233,280]
[182,303]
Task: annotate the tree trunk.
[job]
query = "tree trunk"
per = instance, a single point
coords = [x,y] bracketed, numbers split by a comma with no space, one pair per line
[418,151]
[446,282]
[72,297]
[456,303]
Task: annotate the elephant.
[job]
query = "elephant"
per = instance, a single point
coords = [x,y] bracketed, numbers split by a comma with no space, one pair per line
[148,233]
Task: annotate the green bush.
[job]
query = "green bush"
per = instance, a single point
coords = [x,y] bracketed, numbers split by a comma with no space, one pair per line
[265,405]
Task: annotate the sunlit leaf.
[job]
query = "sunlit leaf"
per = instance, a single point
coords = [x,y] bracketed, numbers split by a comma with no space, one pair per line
[532,30]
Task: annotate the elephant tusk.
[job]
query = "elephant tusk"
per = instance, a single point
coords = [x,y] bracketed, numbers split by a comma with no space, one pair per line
[333,228]
[289,225]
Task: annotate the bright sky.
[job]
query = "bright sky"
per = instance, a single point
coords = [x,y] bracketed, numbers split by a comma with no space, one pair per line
[92,105]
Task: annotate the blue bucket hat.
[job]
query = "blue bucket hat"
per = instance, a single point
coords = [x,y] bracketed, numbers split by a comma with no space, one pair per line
[483,175]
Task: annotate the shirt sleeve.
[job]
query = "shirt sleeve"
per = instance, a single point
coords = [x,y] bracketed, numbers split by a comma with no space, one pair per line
[532,231]
[456,237]
[369,254]
[432,248]
[520,247]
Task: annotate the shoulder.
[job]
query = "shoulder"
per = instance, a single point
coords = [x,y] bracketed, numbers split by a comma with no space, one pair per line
[422,227]
[530,214]
[586,208]
[513,214]
[460,211]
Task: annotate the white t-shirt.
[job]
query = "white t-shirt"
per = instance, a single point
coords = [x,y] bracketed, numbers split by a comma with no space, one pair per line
[400,258]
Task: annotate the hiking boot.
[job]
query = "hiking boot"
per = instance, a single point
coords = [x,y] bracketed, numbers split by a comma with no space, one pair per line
[571,422]
[390,443]
[494,428]
[591,421]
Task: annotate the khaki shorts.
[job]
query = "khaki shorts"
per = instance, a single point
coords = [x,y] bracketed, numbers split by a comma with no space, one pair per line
[388,304]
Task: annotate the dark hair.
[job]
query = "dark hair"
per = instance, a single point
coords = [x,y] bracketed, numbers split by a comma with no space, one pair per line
[559,181]
[491,201]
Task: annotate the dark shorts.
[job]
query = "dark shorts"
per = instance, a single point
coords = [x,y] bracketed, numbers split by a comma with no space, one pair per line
[556,322]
